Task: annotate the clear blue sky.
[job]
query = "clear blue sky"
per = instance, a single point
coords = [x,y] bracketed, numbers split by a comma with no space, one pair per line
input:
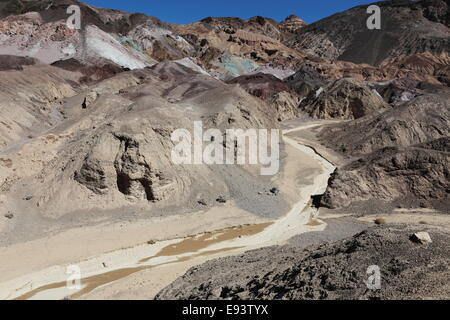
[187,11]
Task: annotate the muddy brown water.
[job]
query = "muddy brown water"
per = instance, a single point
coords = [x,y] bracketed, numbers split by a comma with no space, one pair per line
[314,223]
[194,244]
[191,244]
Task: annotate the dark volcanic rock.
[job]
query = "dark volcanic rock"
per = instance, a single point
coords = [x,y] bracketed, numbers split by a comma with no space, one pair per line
[407,27]
[272,90]
[15,7]
[305,80]
[8,62]
[399,90]
[330,271]
[261,85]
[9,216]
[91,73]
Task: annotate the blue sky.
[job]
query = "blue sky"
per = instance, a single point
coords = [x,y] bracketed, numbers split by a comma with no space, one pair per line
[187,11]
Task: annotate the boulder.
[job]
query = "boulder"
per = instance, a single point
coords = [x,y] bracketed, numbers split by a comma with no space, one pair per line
[421,238]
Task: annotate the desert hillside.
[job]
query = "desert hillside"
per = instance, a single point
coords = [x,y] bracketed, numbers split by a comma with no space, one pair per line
[355,169]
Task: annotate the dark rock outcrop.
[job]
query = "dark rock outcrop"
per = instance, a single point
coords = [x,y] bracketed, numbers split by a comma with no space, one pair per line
[8,62]
[273,91]
[91,74]
[393,174]
[330,271]
[422,119]
[403,155]
[261,85]
[306,80]
[342,99]
[407,27]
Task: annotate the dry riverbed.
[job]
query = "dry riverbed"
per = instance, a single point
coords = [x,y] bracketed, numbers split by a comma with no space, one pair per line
[109,270]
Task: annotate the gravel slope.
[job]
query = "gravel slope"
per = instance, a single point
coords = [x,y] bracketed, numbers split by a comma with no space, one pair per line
[329,271]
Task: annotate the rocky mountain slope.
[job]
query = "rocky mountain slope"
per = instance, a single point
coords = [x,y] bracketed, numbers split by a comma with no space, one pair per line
[419,120]
[343,99]
[272,90]
[417,176]
[115,149]
[329,271]
[30,98]
[408,27]
[89,134]
[86,118]
[393,155]
[228,47]
[129,40]
[236,46]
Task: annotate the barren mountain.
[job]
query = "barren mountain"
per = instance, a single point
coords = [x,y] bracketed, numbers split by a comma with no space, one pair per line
[342,99]
[223,43]
[291,24]
[273,91]
[397,160]
[408,27]
[128,39]
[425,66]
[422,119]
